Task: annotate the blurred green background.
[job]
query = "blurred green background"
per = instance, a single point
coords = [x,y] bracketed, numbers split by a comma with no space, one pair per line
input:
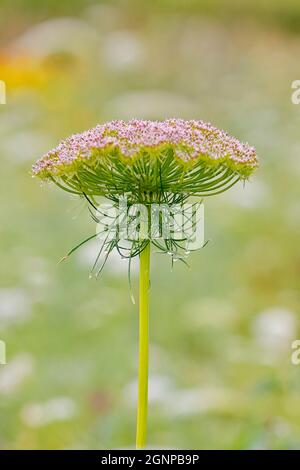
[220,372]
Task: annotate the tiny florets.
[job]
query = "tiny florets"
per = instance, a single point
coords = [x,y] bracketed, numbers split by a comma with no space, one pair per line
[189,140]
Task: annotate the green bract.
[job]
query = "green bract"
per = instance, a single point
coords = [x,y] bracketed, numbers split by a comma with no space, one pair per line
[147,160]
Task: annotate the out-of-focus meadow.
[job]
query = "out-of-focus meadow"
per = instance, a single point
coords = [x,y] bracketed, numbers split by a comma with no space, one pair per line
[220,373]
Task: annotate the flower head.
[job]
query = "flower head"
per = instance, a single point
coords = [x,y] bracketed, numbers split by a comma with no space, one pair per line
[147,163]
[138,157]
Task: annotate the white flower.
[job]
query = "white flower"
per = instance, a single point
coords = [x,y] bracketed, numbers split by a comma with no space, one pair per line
[15,306]
[274,329]
[15,372]
[41,414]
[122,50]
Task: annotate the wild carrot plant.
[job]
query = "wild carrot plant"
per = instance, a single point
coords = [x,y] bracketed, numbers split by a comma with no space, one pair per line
[148,171]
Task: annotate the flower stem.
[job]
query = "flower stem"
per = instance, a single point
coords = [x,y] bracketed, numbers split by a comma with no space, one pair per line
[142,407]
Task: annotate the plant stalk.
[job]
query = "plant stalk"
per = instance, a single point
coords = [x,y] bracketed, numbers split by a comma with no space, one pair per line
[142,406]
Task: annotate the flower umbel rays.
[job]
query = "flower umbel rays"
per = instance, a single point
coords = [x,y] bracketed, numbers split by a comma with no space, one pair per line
[147,163]
[139,157]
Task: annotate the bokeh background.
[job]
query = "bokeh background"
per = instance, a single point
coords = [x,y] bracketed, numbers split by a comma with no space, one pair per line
[221,375]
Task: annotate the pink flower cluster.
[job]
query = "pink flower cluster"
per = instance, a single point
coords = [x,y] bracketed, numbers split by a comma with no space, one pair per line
[188,139]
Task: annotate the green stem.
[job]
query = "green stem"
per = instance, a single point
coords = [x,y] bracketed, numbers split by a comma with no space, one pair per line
[142,407]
